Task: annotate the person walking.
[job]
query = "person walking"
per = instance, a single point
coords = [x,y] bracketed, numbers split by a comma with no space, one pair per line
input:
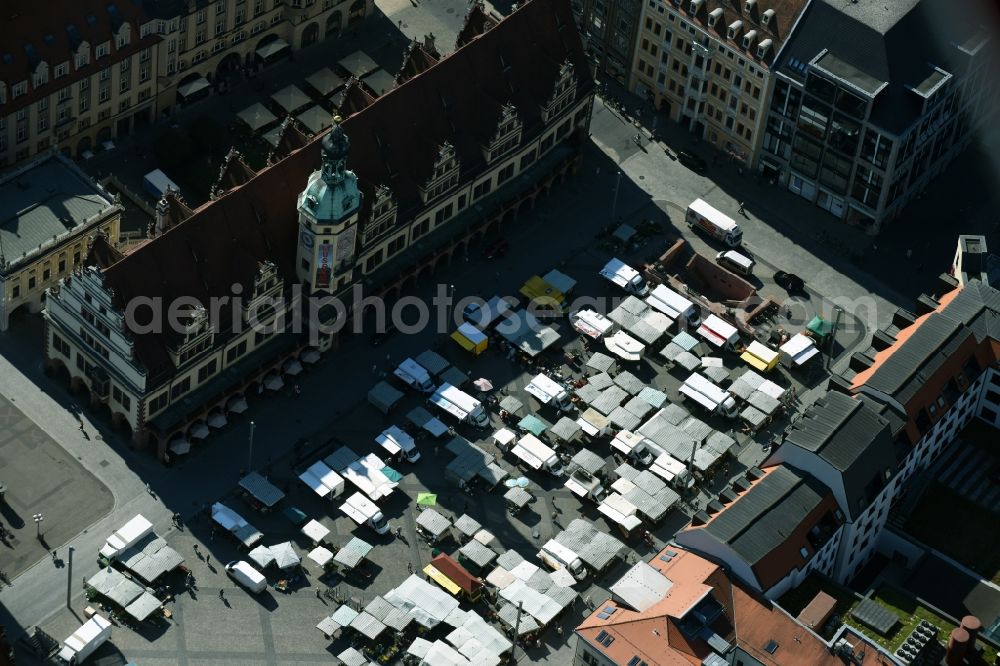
[742,211]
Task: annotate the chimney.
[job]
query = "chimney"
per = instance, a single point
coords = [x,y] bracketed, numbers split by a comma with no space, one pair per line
[162,210]
[429,43]
[958,647]
[973,625]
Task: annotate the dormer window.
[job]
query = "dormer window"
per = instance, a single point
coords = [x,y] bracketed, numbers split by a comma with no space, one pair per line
[444,175]
[508,134]
[383,215]
[564,91]
[41,75]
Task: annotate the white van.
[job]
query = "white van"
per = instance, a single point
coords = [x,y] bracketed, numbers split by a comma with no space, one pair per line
[557,556]
[247,576]
[735,262]
[672,304]
[626,277]
[414,375]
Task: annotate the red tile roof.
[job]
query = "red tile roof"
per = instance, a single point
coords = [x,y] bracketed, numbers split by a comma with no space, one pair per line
[233,173]
[394,141]
[749,621]
[477,21]
[290,138]
[416,60]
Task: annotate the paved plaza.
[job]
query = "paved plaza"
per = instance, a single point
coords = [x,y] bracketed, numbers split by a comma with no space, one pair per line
[89,483]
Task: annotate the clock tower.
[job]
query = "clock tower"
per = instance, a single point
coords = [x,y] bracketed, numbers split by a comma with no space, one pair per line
[328,218]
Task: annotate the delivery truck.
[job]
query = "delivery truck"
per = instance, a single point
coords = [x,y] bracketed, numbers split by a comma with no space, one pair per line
[413,375]
[557,556]
[245,575]
[707,219]
[633,446]
[91,635]
[460,404]
[538,455]
[363,511]
[673,471]
[626,277]
[700,389]
[549,392]
[585,485]
[677,307]
[395,440]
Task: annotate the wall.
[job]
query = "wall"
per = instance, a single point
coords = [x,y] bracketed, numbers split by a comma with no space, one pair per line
[717,279]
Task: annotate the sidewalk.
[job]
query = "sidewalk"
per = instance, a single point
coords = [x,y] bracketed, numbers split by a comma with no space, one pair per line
[911,250]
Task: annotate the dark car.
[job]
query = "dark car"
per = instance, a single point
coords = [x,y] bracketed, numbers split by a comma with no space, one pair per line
[497,248]
[381,336]
[692,161]
[789,281]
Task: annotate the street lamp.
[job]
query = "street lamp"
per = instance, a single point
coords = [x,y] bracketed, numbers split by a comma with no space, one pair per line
[38,518]
[837,313]
[250,457]
[614,201]
[451,306]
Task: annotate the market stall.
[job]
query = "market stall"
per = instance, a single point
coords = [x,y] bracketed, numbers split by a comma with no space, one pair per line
[517,498]
[759,356]
[453,577]
[467,526]
[232,522]
[263,493]
[624,346]
[590,323]
[421,418]
[353,553]
[470,338]
[432,525]
[797,351]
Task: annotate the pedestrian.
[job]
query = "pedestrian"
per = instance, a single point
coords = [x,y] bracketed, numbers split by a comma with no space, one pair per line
[149,489]
[222,595]
[741,208]
[399,532]
[409,567]
[208,559]
[318,595]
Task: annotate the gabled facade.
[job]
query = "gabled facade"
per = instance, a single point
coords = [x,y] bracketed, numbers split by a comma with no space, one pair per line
[404,182]
[772,535]
[77,73]
[708,65]
[847,446]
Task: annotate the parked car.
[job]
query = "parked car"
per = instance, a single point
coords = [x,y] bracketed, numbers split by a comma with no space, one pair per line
[789,281]
[692,161]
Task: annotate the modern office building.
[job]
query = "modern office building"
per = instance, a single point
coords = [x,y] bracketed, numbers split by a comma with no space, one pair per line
[707,65]
[49,209]
[404,183]
[873,99]
[75,74]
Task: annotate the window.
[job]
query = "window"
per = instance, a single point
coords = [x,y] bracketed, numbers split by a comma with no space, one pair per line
[102,50]
[31,282]
[206,371]
[15,291]
[395,245]
[157,403]
[546,143]
[180,388]
[483,188]
[60,345]
[505,173]
[236,351]
[443,214]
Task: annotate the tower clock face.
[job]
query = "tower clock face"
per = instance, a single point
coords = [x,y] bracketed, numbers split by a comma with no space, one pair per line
[307,239]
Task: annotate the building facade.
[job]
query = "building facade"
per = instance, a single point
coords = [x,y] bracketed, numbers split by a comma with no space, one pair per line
[76,74]
[375,201]
[50,209]
[707,65]
[609,29]
[860,131]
